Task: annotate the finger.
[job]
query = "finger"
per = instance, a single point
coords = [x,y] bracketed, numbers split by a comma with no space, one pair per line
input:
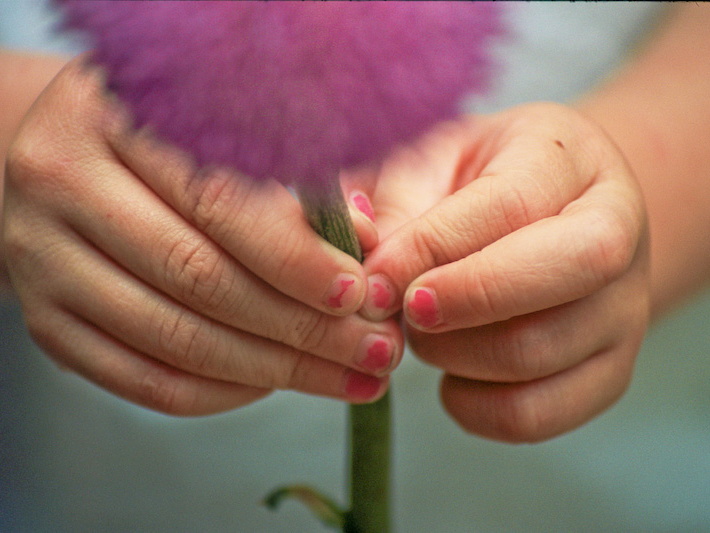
[76,344]
[144,323]
[540,344]
[413,178]
[411,181]
[191,268]
[541,409]
[556,260]
[349,341]
[194,271]
[186,265]
[504,181]
[260,224]
[81,347]
[362,215]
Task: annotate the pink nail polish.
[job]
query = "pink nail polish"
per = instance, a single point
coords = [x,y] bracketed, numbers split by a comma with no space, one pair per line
[361,387]
[423,309]
[363,204]
[381,296]
[376,353]
[341,293]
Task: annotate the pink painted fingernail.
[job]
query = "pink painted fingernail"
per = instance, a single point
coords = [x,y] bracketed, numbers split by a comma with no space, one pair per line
[343,293]
[375,353]
[361,387]
[362,202]
[423,308]
[380,297]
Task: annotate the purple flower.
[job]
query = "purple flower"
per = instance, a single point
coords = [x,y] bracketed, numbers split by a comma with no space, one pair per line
[290,90]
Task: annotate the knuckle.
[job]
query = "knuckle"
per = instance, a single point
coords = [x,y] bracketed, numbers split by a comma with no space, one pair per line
[523,202]
[281,256]
[188,343]
[24,164]
[38,157]
[441,240]
[199,272]
[38,174]
[508,412]
[612,246]
[305,331]
[520,418]
[16,242]
[428,243]
[484,290]
[291,376]
[164,392]
[214,196]
[519,353]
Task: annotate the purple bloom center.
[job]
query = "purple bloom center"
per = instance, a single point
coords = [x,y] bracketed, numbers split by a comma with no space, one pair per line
[290,90]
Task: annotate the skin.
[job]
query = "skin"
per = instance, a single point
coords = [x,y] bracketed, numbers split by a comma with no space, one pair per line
[535,303]
[534,236]
[24,77]
[136,270]
[527,230]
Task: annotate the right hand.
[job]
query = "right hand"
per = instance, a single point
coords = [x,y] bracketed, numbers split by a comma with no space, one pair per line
[189,292]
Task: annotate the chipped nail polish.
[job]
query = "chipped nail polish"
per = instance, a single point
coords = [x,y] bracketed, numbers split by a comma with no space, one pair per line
[423,309]
[341,293]
[376,353]
[380,297]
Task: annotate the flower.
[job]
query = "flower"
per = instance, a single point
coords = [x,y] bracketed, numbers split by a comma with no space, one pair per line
[297,91]
[289,90]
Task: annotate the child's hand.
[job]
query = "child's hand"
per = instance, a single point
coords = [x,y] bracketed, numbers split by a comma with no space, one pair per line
[183,291]
[517,242]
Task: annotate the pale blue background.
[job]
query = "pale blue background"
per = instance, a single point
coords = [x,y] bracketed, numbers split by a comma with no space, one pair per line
[75,459]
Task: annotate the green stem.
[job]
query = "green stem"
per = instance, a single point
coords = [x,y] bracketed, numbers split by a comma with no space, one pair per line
[369,436]
[369,467]
[327,212]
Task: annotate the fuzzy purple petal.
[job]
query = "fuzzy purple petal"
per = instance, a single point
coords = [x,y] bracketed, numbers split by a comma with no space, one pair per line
[291,90]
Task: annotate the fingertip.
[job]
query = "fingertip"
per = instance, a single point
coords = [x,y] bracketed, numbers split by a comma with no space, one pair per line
[362,202]
[362,388]
[379,353]
[345,294]
[363,217]
[421,308]
[381,300]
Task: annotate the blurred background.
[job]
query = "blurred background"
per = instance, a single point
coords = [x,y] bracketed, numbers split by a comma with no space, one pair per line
[75,459]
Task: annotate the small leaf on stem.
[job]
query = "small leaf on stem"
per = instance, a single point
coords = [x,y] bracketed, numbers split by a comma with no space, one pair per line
[325,509]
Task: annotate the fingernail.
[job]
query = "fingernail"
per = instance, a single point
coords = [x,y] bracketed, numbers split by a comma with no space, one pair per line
[375,353]
[343,293]
[362,202]
[361,387]
[380,297]
[423,309]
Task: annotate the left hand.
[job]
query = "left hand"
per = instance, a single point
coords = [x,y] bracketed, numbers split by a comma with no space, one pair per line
[517,243]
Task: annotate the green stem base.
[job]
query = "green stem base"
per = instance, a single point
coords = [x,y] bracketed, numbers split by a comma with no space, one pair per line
[369,467]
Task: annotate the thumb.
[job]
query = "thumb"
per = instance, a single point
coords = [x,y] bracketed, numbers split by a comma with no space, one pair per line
[415,177]
[409,184]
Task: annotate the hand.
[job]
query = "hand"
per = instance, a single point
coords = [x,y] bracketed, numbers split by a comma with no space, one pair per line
[517,242]
[188,292]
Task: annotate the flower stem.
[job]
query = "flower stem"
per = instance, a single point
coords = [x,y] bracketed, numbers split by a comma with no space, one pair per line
[369,436]
[369,467]
[327,212]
